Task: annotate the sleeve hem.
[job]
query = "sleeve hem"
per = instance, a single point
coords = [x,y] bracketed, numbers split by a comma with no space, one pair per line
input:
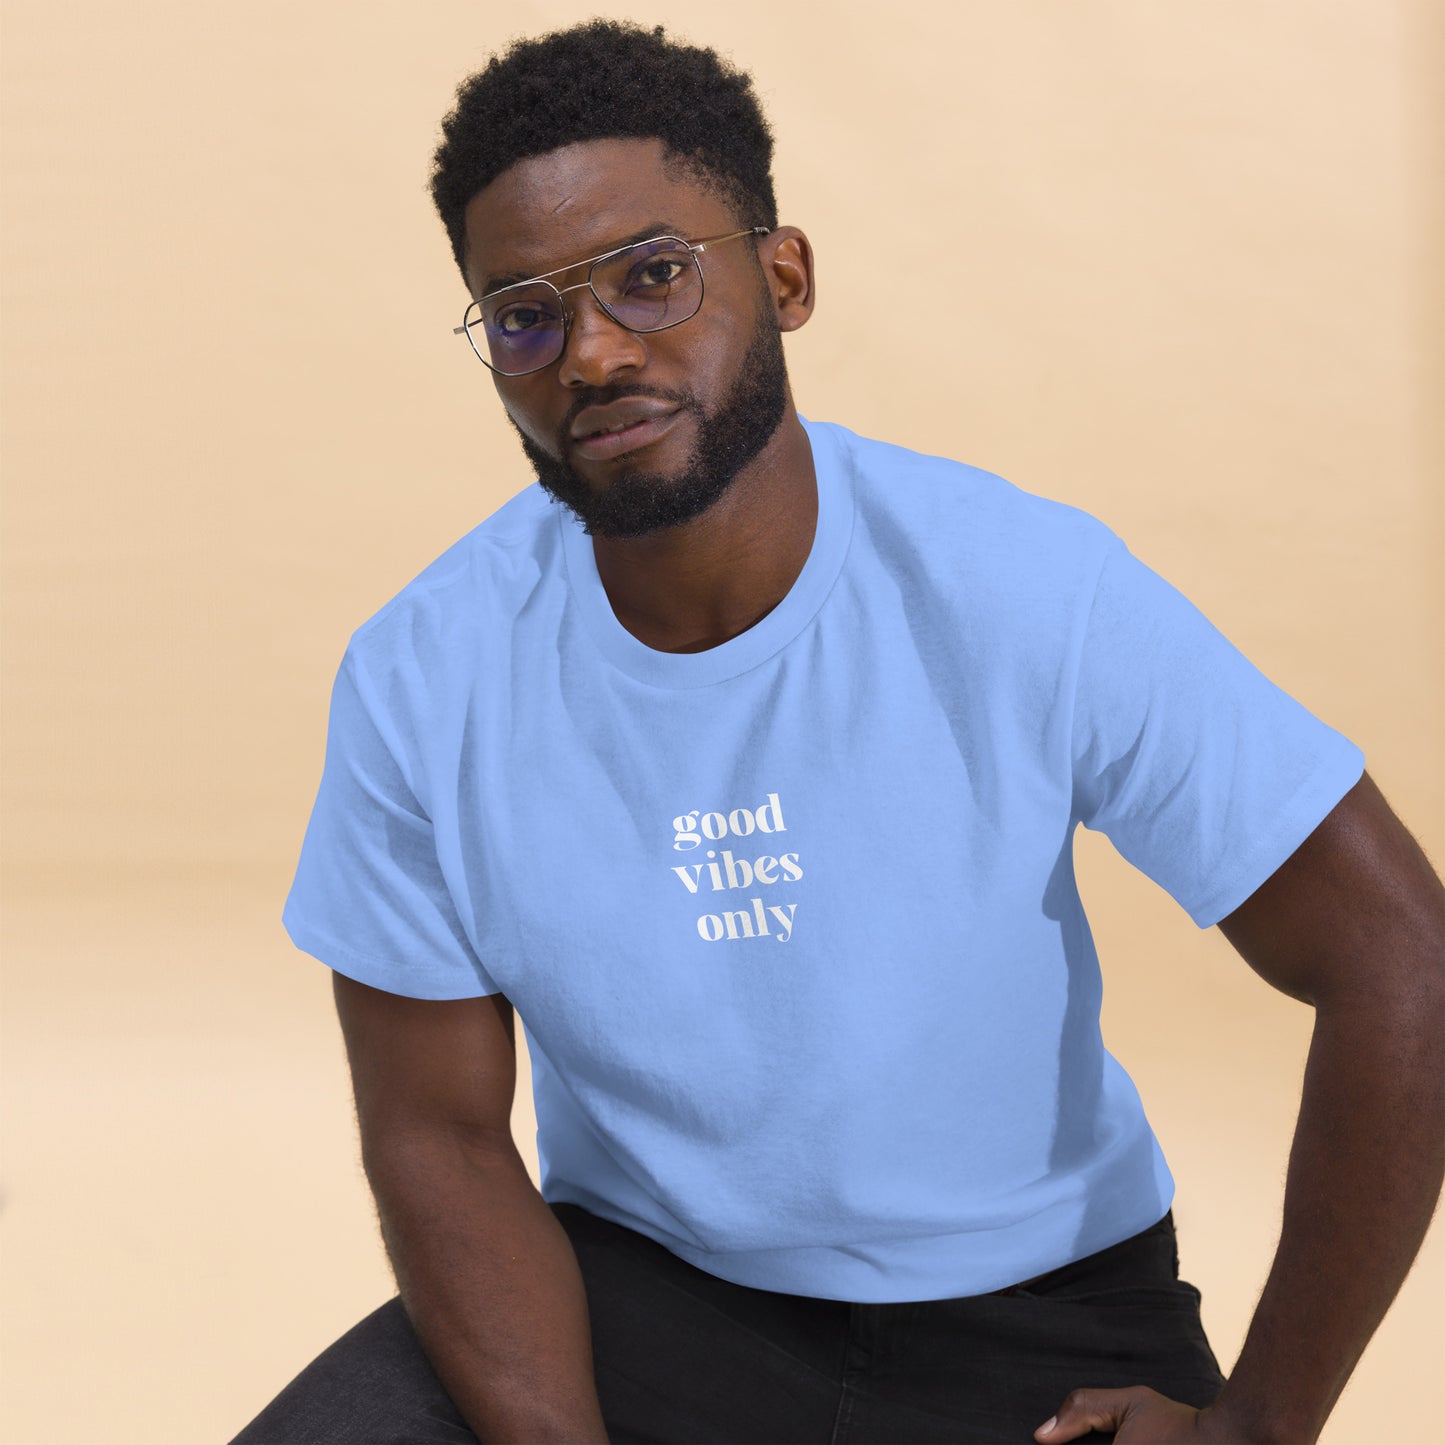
[375,973]
[1306,811]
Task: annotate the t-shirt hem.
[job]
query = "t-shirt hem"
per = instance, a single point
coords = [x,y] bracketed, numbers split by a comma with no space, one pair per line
[929,1267]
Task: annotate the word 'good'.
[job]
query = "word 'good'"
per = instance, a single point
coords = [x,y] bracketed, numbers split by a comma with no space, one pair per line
[767,817]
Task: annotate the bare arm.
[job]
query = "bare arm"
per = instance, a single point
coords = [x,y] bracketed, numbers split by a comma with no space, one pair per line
[1353,924]
[486,1274]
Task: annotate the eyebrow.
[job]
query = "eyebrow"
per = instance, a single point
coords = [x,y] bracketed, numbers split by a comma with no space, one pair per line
[657,228]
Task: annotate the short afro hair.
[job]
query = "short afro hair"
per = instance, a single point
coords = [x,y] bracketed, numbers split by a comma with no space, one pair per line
[599,80]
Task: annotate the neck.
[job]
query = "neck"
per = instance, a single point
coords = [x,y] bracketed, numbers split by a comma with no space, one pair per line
[696,586]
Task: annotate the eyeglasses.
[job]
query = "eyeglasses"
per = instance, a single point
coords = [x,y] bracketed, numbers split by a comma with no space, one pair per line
[647,286]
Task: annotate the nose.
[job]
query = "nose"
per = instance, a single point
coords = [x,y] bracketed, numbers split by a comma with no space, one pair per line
[597,347]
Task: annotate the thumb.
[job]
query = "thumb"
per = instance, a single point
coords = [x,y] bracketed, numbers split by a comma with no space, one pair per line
[1085,1410]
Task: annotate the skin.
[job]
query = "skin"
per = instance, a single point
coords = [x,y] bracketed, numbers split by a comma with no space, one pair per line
[695,585]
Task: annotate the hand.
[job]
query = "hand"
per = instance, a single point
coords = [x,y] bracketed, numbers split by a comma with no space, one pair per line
[1139,1416]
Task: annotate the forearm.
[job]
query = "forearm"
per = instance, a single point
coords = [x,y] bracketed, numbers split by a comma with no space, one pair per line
[491,1284]
[1365,1171]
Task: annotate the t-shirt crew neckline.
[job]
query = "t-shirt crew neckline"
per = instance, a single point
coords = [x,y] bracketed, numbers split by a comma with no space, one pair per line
[764,639]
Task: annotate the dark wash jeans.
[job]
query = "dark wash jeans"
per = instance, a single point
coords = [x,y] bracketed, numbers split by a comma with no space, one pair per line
[682,1356]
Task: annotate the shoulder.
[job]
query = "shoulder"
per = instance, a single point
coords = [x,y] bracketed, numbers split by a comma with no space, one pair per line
[946,518]
[463,597]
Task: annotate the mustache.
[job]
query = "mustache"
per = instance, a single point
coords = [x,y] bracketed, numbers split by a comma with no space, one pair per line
[606,395]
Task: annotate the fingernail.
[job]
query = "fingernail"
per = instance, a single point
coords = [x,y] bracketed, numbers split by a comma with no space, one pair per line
[1048,1425]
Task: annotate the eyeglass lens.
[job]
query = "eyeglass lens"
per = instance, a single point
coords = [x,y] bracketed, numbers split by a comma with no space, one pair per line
[647,287]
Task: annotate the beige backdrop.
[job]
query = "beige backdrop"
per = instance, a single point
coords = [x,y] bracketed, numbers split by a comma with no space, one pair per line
[1189,280]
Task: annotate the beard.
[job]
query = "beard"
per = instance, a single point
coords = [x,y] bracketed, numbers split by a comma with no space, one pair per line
[636,501]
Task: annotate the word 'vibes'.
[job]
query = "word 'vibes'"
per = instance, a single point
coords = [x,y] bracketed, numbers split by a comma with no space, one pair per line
[725,872]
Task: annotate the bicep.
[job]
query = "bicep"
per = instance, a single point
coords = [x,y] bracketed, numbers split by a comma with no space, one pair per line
[1356,911]
[420,1067]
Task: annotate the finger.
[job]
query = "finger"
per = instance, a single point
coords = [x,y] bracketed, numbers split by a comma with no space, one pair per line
[1085,1410]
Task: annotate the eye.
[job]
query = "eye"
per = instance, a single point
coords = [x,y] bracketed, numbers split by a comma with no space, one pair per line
[521,317]
[656,271]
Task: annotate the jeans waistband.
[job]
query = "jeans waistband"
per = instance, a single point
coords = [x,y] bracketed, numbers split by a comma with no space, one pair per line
[1155,1248]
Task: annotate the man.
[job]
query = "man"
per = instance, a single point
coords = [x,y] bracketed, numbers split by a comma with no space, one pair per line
[748,775]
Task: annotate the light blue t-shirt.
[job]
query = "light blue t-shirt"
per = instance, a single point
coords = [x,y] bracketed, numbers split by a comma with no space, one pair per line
[791,924]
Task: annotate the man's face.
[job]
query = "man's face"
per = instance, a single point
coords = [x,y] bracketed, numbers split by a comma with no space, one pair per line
[720,375]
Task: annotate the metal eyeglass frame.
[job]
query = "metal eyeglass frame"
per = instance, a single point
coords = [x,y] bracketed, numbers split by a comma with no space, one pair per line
[592,263]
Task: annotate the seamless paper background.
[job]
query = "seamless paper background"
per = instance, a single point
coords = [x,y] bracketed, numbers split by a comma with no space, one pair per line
[1180,267]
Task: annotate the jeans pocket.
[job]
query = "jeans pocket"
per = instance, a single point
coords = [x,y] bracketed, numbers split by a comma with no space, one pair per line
[1178,1294]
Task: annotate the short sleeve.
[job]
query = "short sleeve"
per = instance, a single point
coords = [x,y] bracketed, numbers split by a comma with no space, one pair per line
[1202,772]
[369,898]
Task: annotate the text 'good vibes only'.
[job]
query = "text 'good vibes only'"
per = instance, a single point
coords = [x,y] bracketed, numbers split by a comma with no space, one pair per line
[721,871]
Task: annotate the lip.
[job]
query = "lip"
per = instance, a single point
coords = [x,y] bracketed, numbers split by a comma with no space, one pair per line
[629,409]
[641,433]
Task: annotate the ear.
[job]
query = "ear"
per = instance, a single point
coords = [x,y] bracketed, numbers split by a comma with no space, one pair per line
[787,259]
